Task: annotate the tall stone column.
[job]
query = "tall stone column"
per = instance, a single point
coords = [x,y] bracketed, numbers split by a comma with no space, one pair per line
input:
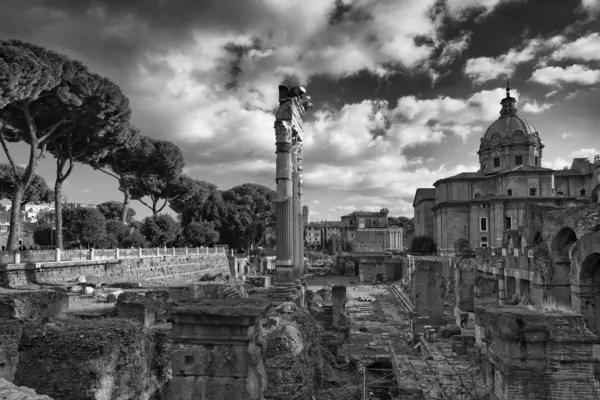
[301,207]
[295,206]
[284,225]
[293,104]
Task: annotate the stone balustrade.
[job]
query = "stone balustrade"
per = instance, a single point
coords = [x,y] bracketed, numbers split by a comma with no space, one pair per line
[58,255]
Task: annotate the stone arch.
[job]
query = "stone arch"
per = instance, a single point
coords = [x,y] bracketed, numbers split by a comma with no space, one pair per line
[589,291]
[563,241]
[595,192]
[560,284]
[537,239]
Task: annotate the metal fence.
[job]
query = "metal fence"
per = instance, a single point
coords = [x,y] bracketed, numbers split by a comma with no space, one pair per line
[30,256]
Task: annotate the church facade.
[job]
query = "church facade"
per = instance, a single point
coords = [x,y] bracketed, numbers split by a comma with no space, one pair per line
[480,206]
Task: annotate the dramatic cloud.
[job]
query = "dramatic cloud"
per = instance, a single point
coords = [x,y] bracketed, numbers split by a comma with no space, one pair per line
[393,107]
[483,69]
[554,76]
[586,48]
[535,108]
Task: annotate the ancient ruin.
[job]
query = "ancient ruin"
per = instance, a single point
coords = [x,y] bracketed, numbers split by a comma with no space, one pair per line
[519,321]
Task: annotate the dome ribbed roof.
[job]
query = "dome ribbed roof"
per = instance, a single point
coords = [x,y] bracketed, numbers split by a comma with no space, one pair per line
[509,128]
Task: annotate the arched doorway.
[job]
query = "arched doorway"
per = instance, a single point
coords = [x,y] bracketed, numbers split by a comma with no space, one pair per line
[589,287]
[560,285]
[595,192]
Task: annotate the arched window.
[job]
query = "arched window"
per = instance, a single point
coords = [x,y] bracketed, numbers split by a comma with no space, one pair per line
[476,194]
[582,192]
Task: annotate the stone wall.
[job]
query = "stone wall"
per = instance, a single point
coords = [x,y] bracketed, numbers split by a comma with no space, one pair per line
[157,269]
[428,289]
[74,359]
[370,241]
[8,391]
[23,305]
[537,354]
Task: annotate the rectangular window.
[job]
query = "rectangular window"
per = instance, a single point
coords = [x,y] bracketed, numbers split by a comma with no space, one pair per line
[496,162]
[509,192]
[484,239]
[484,245]
[519,159]
[537,161]
[483,224]
[532,191]
[507,223]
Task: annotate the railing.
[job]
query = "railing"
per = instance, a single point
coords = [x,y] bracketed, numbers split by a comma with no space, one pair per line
[30,256]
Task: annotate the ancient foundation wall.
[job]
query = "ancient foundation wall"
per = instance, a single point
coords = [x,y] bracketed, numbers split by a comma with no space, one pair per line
[537,354]
[94,359]
[428,288]
[217,350]
[157,269]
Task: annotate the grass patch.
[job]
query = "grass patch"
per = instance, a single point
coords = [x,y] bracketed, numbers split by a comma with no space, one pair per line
[547,304]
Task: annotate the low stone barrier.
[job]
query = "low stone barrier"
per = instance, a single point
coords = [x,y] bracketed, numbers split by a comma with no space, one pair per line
[172,268]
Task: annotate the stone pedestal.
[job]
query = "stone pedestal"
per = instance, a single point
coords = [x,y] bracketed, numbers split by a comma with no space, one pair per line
[217,350]
[427,290]
[338,303]
[138,308]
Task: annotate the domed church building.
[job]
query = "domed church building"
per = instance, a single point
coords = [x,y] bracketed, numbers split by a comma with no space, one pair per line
[480,206]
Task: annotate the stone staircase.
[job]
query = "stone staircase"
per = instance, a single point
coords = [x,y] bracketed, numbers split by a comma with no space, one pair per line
[405,303]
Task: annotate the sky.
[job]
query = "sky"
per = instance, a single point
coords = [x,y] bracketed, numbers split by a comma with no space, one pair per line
[402,89]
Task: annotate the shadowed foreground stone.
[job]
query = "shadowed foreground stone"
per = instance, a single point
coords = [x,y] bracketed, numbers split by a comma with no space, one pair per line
[110,358]
[218,350]
[537,354]
[8,391]
[32,304]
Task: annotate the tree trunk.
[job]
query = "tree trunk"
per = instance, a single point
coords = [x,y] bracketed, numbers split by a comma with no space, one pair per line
[154,211]
[58,212]
[126,197]
[15,222]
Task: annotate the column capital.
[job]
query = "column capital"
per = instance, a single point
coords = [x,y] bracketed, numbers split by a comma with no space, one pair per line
[283,131]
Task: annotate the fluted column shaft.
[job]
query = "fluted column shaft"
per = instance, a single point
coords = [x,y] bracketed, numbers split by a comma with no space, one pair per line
[300,233]
[296,251]
[284,226]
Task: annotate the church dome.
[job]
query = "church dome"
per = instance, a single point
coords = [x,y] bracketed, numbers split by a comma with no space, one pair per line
[509,128]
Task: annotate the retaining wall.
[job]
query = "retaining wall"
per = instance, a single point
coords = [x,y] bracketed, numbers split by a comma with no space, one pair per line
[158,269]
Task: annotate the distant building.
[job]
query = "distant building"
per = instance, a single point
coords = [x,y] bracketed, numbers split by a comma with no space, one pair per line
[423,204]
[30,211]
[305,215]
[316,234]
[363,219]
[481,206]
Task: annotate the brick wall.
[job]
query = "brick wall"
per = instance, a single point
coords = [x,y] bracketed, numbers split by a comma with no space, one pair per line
[537,355]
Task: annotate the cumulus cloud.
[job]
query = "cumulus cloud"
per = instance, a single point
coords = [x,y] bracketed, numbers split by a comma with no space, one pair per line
[535,108]
[584,153]
[592,6]
[483,69]
[586,48]
[554,76]
[557,164]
